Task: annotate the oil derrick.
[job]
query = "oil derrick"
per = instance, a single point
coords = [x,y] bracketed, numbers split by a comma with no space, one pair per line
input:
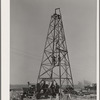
[55,66]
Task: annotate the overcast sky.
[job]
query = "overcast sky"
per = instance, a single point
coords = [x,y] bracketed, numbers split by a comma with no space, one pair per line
[29,24]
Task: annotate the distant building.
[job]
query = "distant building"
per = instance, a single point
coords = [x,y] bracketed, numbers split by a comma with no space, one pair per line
[91,88]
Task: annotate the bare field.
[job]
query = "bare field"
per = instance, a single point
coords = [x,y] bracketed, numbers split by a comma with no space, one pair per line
[16,95]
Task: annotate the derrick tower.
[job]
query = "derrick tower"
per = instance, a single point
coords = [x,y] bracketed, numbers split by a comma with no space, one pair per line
[55,65]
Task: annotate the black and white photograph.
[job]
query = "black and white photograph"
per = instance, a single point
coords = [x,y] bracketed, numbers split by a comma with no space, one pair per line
[53,50]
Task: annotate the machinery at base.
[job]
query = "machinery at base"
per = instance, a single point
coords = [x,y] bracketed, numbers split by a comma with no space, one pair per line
[44,89]
[47,88]
[28,91]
